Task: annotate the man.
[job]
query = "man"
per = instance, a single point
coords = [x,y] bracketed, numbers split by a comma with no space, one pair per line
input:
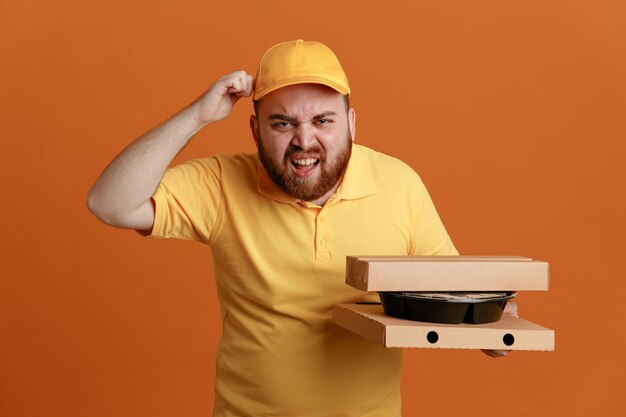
[280,223]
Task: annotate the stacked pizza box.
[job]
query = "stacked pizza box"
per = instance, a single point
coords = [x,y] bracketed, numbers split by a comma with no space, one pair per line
[445,301]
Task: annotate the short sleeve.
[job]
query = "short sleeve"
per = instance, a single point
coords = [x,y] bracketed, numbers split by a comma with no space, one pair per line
[430,236]
[187,201]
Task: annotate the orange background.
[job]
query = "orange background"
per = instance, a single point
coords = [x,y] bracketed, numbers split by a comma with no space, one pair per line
[512,112]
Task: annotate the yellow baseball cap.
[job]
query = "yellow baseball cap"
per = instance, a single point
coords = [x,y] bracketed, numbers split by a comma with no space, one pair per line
[299,62]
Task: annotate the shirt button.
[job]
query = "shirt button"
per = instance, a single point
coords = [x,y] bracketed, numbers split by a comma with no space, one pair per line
[322,242]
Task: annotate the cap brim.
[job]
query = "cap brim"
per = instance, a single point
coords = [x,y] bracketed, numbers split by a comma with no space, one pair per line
[301,80]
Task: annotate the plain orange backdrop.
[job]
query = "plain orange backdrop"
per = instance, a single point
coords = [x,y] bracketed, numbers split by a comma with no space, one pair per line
[512,112]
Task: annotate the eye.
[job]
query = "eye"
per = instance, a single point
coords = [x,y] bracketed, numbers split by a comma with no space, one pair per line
[281,124]
[324,121]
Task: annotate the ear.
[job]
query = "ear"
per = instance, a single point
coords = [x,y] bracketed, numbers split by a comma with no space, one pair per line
[352,123]
[254,127]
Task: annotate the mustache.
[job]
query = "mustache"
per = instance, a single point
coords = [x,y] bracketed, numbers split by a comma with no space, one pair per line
[293,150]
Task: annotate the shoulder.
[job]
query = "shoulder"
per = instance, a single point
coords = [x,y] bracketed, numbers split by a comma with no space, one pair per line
[386,167]
[216,165]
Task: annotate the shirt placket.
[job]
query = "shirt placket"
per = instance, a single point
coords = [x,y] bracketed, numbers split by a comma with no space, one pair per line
[323,232]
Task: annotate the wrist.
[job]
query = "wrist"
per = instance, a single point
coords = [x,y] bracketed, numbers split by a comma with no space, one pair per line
[190,118]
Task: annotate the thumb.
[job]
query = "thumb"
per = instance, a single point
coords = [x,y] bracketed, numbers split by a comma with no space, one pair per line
[511,308]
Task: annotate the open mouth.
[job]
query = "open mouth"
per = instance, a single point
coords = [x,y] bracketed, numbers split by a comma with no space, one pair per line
[305,163]
[304,166]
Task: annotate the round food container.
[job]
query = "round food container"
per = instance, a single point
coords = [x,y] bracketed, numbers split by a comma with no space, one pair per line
[448,307]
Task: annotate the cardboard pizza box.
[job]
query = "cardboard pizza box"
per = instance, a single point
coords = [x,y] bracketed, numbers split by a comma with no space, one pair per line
[509,333]
[446,273]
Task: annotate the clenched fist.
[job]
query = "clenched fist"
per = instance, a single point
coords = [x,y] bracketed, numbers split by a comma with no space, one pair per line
[217,103]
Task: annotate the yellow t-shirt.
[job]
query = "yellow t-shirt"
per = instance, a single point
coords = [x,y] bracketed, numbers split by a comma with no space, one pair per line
[279,268]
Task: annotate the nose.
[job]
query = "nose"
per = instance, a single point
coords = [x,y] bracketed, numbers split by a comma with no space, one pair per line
[304,136]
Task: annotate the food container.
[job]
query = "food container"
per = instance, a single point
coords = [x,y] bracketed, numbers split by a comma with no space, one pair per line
[448,307]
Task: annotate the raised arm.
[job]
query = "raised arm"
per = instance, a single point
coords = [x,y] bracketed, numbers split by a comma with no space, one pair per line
[121,195]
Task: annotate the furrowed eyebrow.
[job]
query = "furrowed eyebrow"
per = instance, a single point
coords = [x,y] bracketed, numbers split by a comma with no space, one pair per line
[280,117]
[325,114]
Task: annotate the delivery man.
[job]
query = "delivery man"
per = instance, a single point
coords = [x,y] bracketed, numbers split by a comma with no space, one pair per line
[280,223]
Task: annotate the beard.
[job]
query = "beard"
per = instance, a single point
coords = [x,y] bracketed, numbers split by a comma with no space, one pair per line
[304,188]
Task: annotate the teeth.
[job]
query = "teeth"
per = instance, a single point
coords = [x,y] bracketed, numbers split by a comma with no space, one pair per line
[308,161]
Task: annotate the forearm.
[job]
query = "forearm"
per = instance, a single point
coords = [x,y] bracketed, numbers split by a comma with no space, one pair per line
[121,195]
